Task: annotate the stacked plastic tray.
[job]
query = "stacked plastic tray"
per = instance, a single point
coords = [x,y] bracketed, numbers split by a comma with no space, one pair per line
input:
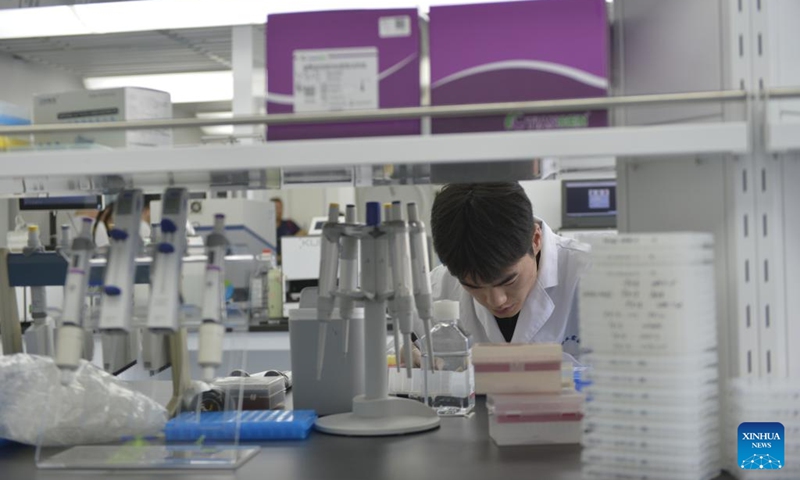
[648,317]
[764,400]
[531,394]
[535,419]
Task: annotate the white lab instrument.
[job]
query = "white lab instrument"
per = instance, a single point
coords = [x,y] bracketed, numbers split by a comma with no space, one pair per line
[163,314]
[116,311]
[209,355]
[39,337]
[375,413]
[328,270]
[420,267]
[71,334]
[348,266]
[65,239]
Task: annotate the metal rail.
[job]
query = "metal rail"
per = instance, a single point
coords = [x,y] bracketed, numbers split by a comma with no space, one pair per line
[470,110]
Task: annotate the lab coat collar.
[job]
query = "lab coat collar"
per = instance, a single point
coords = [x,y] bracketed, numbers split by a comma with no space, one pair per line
[548,262]
[538,306]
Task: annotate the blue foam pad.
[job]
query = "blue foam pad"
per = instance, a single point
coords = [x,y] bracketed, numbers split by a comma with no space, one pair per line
[254,425]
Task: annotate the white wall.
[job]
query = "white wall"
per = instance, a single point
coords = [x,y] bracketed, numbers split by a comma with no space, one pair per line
[545,196]
[301,204]
[21,80]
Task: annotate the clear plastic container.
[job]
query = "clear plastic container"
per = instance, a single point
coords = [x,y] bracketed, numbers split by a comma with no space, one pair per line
[654,413]
[653,445]
[605,472]
[630,427]
[645,397]
[677,381]
[700,463]
[450,388]
[646,363]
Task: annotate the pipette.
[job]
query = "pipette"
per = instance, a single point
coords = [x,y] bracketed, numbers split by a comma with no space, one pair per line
[400,251]
[70,338]
[348,276]
[328,271]
[116,311]
[387,215]
[209,354]
[163,314]
[420,270]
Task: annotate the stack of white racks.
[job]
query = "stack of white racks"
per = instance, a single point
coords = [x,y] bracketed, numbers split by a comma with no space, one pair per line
[755,405]
[648,317]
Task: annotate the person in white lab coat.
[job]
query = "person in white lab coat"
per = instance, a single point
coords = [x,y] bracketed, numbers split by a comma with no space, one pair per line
[515,280]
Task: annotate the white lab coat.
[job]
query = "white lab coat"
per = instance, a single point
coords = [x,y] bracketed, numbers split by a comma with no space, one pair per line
[550,313]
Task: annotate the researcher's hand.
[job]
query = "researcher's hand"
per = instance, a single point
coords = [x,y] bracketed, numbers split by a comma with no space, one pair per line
[416,357]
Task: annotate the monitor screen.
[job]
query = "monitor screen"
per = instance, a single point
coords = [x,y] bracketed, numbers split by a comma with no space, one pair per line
[589,204]
[78,202]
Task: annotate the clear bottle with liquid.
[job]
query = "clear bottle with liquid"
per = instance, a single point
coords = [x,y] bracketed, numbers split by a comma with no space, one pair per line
[450,388]
[259,286]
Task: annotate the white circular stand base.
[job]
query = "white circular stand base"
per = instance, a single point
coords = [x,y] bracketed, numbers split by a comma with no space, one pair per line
[386,416]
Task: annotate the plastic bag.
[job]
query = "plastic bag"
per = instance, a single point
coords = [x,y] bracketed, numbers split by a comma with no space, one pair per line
[95,407]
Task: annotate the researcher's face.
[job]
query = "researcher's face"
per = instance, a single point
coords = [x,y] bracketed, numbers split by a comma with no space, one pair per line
[505,297]
[278,210]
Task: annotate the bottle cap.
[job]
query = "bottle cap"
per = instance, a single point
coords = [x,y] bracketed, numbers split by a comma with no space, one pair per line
[445,311]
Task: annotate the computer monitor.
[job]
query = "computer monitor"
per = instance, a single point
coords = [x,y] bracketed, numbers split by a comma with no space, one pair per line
[589,204]
[77,202]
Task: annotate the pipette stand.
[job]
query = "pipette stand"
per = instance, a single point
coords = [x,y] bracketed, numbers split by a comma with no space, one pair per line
[376,413]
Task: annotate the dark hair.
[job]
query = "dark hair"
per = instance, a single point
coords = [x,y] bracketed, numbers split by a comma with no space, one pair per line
[276,199]
[482,229]
[104,216]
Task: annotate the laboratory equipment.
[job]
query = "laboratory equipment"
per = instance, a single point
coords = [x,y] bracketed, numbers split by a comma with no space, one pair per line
[589,204]
[260,287]
[75,202]
[241,393]
[342,375]
[64,239]
[209,355]
[120,341]
[390,303]
[420,266]
[249,224]
[450,387]
[39,337]
[165,292]
[517,368]
[375,413]
[348,277]
[106,105]
[72,334]
[328,270]
[648,316]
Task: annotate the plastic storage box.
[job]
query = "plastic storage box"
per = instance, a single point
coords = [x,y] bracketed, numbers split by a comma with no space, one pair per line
[531,419]
[505,368]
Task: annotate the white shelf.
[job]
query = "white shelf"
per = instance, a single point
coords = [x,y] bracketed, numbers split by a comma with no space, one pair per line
[783,137]
[678,139]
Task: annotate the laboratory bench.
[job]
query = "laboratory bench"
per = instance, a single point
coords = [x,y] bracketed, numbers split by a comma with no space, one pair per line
[460,448]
